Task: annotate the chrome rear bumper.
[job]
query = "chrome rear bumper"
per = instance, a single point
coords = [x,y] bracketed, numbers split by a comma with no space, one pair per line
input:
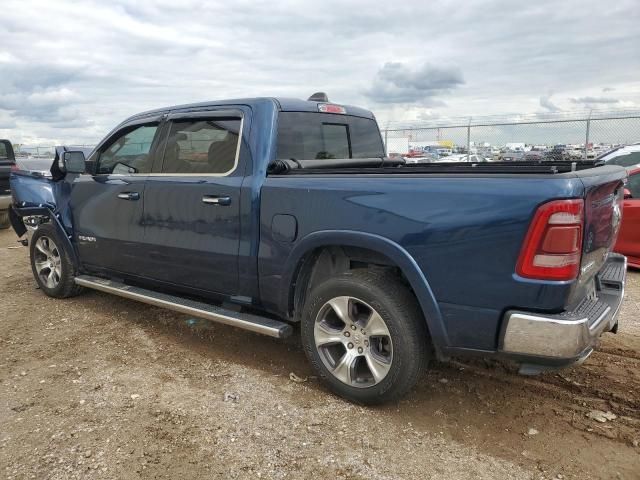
[569,336]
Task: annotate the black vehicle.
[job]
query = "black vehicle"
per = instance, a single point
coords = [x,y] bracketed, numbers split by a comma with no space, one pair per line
[7,163]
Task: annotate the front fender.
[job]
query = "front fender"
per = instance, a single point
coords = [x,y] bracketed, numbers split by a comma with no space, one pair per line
[16,214]
[379,244]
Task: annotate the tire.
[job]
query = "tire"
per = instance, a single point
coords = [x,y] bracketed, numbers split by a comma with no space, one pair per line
[50,263]
[382,364]
[4,220]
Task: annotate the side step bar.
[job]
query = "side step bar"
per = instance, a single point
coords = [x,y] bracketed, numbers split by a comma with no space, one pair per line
[246,321]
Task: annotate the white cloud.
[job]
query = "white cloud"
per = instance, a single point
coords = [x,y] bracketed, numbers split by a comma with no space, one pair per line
[72,70]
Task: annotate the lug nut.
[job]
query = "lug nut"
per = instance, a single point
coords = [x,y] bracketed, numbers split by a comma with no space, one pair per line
[347,334]
[366,343]
[359,349]
[353,327]
[350,345]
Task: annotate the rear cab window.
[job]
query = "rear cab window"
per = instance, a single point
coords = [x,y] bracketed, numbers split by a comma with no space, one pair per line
[318,136]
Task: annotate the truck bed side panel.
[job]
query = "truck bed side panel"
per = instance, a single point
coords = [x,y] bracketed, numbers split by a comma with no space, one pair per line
[465,233]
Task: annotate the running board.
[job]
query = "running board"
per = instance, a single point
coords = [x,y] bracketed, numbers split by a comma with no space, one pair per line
[246,321]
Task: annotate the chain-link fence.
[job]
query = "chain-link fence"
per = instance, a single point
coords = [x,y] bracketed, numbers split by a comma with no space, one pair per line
[518,137]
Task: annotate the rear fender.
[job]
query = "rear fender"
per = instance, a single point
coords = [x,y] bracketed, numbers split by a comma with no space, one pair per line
[384,246]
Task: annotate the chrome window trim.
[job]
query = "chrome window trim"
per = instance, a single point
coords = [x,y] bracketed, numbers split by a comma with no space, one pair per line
[223,174]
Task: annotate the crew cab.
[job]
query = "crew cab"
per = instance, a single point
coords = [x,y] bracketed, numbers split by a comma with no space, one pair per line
[263,213]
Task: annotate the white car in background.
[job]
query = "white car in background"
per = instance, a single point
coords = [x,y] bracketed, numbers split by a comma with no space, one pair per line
[625,156]
[463,157]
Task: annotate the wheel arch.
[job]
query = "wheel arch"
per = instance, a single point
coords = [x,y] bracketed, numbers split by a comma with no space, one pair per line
[17,214]
[304,255]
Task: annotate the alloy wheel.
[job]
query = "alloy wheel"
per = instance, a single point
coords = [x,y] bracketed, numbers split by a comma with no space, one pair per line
[353,342]
[47,261]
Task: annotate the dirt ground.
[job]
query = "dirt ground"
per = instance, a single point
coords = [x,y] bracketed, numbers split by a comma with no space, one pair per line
[101,387]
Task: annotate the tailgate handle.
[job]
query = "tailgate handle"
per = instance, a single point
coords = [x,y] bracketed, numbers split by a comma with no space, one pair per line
[216,200]
[129,196]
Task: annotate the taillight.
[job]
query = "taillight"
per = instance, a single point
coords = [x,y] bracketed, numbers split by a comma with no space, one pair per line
[553,245]
[331,108]
[14,167]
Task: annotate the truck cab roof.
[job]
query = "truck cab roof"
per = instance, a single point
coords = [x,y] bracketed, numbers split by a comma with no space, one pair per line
[283,104]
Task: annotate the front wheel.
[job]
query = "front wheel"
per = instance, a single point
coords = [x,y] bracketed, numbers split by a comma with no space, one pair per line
[50,263]
[365,335]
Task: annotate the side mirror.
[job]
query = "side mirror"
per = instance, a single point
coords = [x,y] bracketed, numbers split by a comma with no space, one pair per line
[627,193]
[73,162]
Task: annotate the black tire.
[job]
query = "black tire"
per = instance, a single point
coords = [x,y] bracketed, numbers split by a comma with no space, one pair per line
[400,311]
[4,220]
[65,287]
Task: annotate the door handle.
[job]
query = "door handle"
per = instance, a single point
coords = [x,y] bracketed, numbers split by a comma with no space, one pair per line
[129,196]
[216,200]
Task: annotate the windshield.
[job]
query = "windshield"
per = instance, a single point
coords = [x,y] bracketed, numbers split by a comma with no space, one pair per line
[319,136]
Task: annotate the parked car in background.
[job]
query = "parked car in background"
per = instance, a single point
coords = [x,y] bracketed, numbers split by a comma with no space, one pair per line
[7,163]
[558,153]
[625,156]
[463,157]
[512,156]
[424,158]
[574,153]
[536,153]
[628,242]
[42,165]
[39,166]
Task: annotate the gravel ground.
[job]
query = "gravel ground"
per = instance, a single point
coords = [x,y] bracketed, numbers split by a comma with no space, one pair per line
[101,387]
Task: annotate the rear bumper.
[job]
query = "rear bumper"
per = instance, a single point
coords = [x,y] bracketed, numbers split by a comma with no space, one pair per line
[568,337]
[5,201]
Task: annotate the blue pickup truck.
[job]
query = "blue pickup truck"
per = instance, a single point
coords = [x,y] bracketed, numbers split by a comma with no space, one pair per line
[267,213]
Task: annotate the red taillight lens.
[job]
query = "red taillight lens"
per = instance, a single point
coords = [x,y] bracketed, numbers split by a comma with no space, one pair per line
[14,168]
[331,108]
[553,245]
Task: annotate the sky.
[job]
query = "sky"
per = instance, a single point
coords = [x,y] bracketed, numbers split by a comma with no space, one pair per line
[71,70]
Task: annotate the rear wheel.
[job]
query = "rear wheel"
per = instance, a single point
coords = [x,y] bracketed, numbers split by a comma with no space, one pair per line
[50,263]
[365,335]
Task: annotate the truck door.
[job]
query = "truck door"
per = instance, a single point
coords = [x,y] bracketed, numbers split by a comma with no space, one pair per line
[106,205]
[192,204]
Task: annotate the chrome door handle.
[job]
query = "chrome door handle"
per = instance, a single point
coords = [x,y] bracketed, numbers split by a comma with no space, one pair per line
[129,196]
[216,200]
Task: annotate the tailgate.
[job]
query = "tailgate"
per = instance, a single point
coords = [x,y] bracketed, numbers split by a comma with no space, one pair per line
[603,212]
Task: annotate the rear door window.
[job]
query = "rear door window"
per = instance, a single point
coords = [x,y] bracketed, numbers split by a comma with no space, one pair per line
[128,152]
[318,136]
[207,146]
